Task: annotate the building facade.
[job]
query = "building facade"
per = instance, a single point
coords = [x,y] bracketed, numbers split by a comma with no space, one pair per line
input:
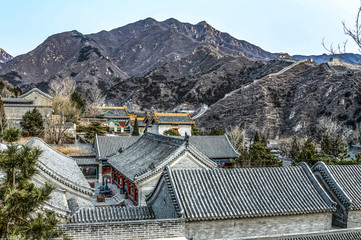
[15,108]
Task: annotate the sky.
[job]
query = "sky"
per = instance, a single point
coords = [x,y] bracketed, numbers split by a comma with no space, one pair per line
[292,26]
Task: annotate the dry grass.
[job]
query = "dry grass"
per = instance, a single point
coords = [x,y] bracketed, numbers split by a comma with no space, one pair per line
[69,150]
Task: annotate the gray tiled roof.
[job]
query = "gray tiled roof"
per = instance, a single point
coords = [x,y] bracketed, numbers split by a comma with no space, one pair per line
[106,146]
[214,146]
[175,119]
[58,203]
[111,214]
[350,235]
[344,180]
[61,167]
[149,150]
[16,100]
[113,112]
[85,160]
[248,192]
[36,90]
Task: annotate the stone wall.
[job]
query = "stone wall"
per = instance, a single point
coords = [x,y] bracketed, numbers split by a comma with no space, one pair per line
[15,112]
[253,227]
[354,219]
[146,229]
[39,99]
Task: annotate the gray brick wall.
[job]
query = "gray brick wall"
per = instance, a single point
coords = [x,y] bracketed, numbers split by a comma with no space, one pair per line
[253,227]
[147,229]
[354,219]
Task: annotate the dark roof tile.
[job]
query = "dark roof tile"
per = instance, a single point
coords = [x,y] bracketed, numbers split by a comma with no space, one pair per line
[111,214]
[248,192]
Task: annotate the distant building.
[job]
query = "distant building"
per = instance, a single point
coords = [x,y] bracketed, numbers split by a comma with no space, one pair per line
[161,122]
[142,125]
[15,108]
[114,113]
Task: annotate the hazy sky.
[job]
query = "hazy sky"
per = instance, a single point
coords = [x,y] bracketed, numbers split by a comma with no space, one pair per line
[293,26]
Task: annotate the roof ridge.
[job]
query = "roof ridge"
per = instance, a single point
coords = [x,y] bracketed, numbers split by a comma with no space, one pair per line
[234,150]
[66,181]
[322,168]
[165,138]
[317,185]
[35,90]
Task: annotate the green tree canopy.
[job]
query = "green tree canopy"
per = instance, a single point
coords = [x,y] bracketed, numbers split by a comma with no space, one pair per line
[77,101]
[216,131]
[94,128]
[135,128]
[3,121]
[32,121]
[195,130]
[21,216]
[258,155]
[171,132]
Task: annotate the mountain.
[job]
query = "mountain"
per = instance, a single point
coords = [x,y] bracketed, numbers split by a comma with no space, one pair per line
[4,56]
[106,58]
[291,101]
[345,57]
[170,65]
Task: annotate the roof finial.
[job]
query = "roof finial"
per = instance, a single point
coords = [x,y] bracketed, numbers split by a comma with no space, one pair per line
[186,138]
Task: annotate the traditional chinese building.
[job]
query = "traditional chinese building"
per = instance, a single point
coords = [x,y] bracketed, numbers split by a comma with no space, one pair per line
[343,185]
[106,147]
[243,203]
[15,108]
[116,126]
[161,122]
[72,191]
[142,124]
[115,113]
[137,169]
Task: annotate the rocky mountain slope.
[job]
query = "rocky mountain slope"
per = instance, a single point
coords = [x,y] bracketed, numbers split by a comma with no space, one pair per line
[4,56]
[291,102]
[150,65]
[346,57]
[104,59]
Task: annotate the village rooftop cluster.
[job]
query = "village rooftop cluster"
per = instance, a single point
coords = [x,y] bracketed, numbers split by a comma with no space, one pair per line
[158,186]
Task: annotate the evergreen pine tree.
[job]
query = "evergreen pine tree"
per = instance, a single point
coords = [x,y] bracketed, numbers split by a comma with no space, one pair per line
[216,132]
[21,216]
[194,130]
[171,132]
[77,101]
[94,128]
[3,121]
[308,154]
[256,137]
[135,128]
[295,148]
[32,121]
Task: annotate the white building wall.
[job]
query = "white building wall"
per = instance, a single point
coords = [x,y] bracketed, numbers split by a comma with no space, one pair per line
[182,129]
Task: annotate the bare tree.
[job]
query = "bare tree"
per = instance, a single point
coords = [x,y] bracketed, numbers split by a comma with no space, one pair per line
[55,128]
[64,88]
[236,136]
[95,96]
